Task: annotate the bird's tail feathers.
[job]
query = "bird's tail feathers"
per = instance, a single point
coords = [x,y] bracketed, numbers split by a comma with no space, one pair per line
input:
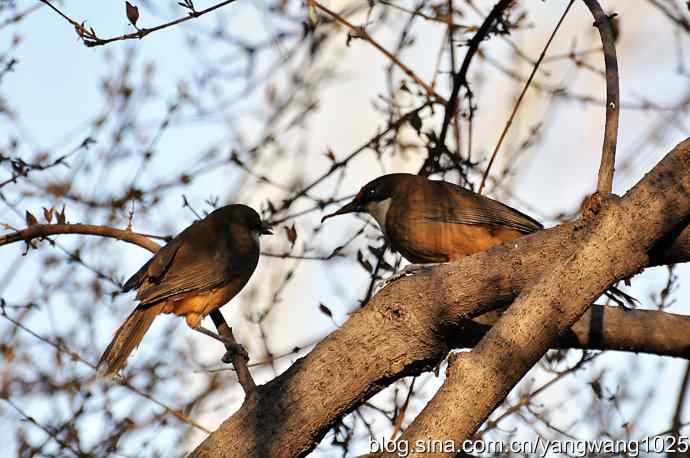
[126,339]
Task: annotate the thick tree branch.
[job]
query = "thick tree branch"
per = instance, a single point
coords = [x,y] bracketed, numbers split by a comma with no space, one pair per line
[408,327]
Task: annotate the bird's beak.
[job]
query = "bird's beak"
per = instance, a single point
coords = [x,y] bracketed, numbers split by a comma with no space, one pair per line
[352,207]
[266,229]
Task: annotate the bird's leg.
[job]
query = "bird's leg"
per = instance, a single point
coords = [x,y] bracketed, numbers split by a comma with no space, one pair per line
[407,271]
[232,347]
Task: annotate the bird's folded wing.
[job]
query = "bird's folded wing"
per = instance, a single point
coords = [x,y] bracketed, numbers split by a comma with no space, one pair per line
[460,206]
[193,268]
[156,267]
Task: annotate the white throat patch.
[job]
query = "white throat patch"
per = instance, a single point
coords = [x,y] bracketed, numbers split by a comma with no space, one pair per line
[379,210]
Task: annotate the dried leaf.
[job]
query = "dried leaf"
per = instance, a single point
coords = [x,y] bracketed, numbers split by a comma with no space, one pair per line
[48,214]
[325,310]
[61,219]
[132,13]
[291,234]
[30,219]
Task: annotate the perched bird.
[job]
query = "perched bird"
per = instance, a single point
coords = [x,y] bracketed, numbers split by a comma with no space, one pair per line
[431,221]
[435,221]
[197,272]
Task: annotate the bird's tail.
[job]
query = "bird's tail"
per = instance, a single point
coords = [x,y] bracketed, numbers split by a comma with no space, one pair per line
[126,339]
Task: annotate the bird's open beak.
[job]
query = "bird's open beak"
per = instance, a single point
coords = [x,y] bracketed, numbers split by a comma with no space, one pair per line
[266,229]
[352,207]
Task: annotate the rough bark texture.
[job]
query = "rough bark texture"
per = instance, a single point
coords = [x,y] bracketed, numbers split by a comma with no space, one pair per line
[410,325]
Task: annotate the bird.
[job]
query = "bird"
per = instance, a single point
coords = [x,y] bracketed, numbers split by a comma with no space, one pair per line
[433,221]
[195,273]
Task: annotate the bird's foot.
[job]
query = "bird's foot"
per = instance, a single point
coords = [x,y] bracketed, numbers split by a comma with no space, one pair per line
[407,271]
[232,347]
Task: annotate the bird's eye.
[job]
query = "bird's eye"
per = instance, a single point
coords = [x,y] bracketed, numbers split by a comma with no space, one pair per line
[371,192]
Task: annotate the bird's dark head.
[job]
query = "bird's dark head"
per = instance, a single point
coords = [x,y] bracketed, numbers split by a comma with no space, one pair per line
[374,194]
[245,217]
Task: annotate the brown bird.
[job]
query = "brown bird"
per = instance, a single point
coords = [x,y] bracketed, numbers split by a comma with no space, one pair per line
[430,221]
[197,272]
[435,221]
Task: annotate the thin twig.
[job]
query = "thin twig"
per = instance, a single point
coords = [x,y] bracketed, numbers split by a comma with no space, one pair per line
[522,95]
[43,428]
[359,32]
[460,80]
[61,347]
[680,404]
[90,39]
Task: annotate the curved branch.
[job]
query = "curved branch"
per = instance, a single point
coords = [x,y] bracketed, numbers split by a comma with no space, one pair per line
[44,230]
[608,155]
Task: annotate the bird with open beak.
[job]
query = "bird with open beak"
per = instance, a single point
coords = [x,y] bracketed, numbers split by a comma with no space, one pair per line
[197,272]
[435,221]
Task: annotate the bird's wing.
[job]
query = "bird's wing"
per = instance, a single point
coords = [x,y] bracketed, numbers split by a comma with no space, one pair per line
[460,206]
[156,267]
[202,257]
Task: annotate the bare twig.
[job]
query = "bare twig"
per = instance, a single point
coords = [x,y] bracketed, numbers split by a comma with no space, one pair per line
[90,39]
[460,80]
[43,230]
[359,32]
[77,357]
[522,95]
